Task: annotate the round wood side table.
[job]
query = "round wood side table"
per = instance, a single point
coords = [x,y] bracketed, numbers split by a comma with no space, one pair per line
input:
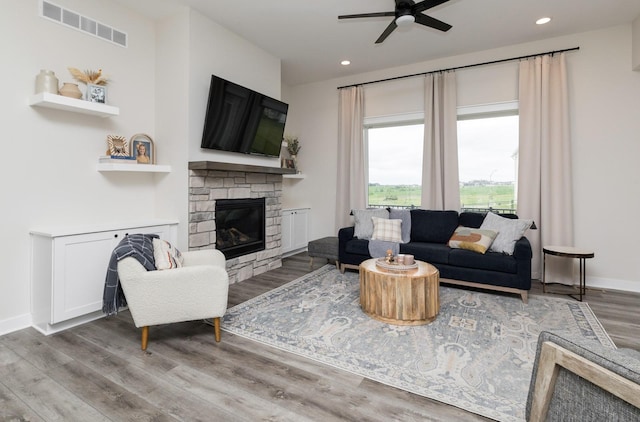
[568,252]
[410,297]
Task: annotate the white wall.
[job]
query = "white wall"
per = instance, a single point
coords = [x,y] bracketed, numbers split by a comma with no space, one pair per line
[160,83]
[49,156]
[215,50]
[604,94]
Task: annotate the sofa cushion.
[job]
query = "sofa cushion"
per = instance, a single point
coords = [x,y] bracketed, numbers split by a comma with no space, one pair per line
[363,222]
[476,240]
[433,253]
[405,216]
[433,226]
[357,247]
[471,219]
[492,261]
[509,231]
[387,229]
[475,219]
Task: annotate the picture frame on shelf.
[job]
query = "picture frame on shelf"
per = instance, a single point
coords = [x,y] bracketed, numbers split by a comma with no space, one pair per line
[118,146]
[96,93]
[142,149]
[288,163]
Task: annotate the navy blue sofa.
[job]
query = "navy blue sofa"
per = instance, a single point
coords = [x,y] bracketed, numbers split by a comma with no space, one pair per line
[430,233]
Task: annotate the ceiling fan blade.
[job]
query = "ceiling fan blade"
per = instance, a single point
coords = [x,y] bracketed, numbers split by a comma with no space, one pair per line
[432,22]
[367,15]
[427,4]
[387,32]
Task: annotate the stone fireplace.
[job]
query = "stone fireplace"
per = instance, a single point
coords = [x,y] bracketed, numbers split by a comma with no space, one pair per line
[213,182]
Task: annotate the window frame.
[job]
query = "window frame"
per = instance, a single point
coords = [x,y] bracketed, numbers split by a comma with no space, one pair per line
[469,112]
[491,110]
[404,119]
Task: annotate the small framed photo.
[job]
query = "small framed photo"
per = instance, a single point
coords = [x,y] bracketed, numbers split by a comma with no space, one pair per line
[142,149]
[96,93]
[118,146]
[288,163]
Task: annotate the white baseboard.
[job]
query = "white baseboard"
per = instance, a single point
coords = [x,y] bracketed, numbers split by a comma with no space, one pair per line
[613,284]
[15,323]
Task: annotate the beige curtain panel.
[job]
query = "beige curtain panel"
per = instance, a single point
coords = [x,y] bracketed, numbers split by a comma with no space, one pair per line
[440,179]
[350,189]
[544,169]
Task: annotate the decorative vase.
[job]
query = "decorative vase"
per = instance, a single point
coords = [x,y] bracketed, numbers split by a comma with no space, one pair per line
[46,81]
[294,157]
[70,90]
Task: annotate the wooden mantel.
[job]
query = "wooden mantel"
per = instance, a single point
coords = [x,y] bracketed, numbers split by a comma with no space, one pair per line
[247,168]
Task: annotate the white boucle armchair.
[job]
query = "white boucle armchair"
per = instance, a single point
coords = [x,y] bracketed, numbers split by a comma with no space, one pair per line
[197,290]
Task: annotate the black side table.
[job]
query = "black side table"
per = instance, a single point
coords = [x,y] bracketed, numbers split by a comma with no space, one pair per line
[568,252]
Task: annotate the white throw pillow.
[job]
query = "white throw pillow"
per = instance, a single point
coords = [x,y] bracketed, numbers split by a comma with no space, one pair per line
[386,229]
[363,224]
[510,230]
[166,255]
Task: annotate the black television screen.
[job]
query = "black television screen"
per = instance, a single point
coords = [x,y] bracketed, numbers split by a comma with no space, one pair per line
[239,119]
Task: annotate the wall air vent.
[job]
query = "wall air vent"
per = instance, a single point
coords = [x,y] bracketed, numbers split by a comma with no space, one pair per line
[84,24]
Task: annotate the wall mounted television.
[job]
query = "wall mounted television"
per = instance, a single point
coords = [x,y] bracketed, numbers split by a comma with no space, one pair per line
[239,119]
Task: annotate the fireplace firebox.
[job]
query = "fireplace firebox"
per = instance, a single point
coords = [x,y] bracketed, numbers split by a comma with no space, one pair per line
[240,226]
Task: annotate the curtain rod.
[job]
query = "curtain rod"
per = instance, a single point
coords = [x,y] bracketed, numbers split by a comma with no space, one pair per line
[462,67]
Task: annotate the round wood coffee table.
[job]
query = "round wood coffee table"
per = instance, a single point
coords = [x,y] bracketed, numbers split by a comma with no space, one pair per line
[400,297]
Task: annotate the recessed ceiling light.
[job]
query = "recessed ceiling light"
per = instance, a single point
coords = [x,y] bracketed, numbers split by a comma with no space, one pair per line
[542,21]
[345,62]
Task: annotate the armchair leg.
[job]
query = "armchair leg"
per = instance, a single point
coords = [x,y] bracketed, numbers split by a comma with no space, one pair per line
[145,337]
[216,328]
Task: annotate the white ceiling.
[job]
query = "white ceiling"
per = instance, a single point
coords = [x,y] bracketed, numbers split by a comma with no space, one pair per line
[310,40]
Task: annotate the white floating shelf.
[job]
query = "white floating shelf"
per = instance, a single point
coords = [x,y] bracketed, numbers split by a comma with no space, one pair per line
[60,102]
[294,176]
[140,168]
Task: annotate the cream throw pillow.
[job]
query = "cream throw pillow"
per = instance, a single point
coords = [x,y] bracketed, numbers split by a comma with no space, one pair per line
[387,229]
[166,255]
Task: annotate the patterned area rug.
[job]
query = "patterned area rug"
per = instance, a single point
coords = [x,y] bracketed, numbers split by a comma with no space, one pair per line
[477,355]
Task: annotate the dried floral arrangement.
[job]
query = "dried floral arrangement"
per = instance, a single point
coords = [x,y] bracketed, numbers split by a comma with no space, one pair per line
[94,77]
[293,146]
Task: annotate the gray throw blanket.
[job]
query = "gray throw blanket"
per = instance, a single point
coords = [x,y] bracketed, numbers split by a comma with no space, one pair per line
[138,246]
[378,248]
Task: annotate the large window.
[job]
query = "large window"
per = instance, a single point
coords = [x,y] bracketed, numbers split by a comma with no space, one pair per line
[488,156]
[394,160]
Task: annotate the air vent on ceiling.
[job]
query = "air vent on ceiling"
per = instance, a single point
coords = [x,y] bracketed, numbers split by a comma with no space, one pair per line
[85,24]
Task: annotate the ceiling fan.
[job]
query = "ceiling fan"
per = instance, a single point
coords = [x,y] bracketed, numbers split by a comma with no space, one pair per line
[406,13]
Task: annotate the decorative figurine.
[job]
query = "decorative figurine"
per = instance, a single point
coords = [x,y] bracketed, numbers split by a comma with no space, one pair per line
[389,258]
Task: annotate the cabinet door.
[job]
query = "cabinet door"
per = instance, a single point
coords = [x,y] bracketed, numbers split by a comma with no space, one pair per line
[80,267]
[286,231]
[300,229]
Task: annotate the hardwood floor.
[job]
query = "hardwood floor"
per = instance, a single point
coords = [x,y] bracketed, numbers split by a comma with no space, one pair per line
[97,372]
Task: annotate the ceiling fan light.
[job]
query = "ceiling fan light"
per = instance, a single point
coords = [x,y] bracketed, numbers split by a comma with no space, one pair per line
[405,20]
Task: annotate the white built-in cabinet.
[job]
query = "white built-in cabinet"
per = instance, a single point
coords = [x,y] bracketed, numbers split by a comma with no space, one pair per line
[295,230]
[69,266]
